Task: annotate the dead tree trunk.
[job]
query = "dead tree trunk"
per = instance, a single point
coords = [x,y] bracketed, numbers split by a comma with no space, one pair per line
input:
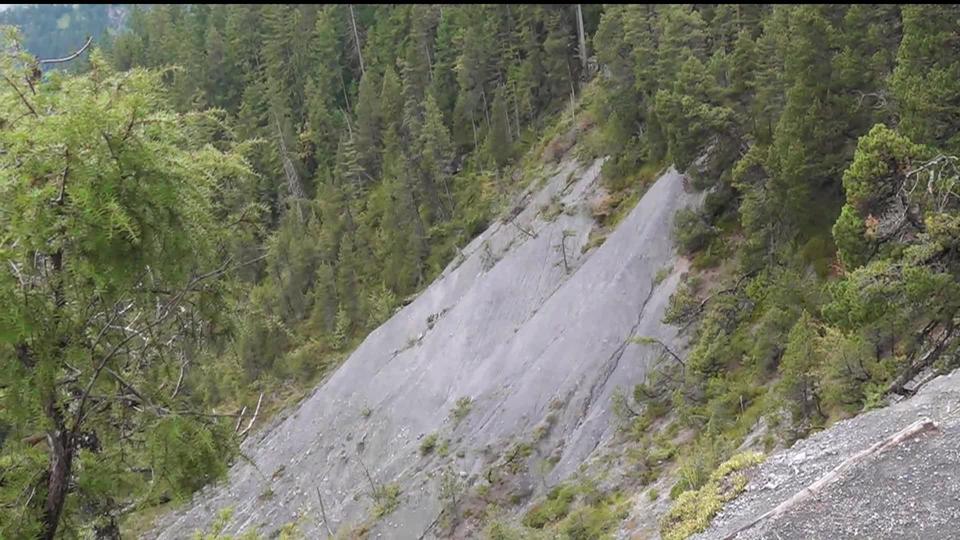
[918,365]
[356,39]
[294,185]
[912,431]
[582,39]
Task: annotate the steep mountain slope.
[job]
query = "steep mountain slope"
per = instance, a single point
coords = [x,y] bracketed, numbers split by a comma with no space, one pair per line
[533,331]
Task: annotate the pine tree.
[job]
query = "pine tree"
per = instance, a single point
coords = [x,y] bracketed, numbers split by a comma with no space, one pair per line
[691,114]
[799,373]
[416,66]
[808,147]
[925,79]
[436,153]
[443,84]
[557,74]
[499,138]
[368,135]
[474,71]
[219,89]
[391,102]
[327,101]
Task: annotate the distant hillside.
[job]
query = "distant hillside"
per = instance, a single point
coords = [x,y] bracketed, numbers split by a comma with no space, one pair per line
[54,30]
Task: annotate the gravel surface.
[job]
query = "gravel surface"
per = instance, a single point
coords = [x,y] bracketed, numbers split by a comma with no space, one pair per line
[909,491]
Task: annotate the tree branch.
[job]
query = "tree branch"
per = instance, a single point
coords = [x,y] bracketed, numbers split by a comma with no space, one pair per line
[176,390]
[254,418]
[67,58]
[323,514]
[23,98]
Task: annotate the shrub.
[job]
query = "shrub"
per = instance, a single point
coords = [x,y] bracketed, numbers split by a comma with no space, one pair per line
[553,509]
[461,409]
[693,510]
[428,444]
[387,500]
[662,274]
[692,232]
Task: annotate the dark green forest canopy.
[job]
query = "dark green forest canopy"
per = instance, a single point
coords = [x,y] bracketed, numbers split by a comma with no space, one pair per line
[318,165]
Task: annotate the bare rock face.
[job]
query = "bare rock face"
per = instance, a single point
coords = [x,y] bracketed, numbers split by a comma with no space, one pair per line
[526,329]
[908,489]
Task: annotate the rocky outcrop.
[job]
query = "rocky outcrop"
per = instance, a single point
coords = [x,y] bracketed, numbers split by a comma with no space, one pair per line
[522,339]
[907,489]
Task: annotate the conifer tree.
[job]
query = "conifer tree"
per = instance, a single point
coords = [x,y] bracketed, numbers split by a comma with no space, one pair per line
[368,135]
[799,372]
[499,138]
[436,154]
[925,79]
[114,242]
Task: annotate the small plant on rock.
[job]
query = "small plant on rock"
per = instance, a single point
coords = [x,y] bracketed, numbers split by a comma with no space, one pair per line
[387,500]
[461,409]
[429,444]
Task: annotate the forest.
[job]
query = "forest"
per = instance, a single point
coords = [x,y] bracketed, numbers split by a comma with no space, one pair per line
[57,30]
[223,200]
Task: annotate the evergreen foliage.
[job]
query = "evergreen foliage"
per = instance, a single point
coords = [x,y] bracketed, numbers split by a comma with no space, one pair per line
[113,219]
[377,139]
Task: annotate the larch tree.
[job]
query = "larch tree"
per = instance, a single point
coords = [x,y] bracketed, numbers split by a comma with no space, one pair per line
[111,256]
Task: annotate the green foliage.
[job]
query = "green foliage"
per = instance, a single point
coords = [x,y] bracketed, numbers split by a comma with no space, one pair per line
[875,176]
[661,275]
[111,207]
[369,177]
[461,409]
[693,510]
[791,326]
[925,78]
[692,232]
[386,500]
[220,523]
[443,450]
[428,444]
[500,139]
[799,372]
[555,507]
[185,457]
[598,520]
[576,509]
[360,182]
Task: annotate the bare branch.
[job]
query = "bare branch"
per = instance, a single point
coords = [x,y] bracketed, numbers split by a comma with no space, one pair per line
[653,340]
[373,487]
[881,98]
[524,231]
[68,58]
[254,418]
[323,514]
[240,419]
[176,390]
[23,98]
